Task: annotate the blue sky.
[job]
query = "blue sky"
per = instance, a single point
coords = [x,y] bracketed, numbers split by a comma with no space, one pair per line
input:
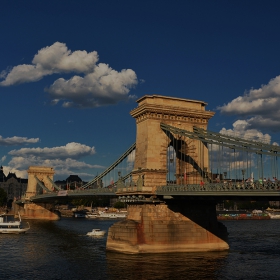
[71,72]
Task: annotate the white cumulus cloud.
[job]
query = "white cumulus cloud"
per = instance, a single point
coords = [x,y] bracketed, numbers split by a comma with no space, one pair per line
[58,58]
[71,150]
[260,106]
[95,85]
[64,159]
[49,60]
[16,140]
[103,86]
[241,129]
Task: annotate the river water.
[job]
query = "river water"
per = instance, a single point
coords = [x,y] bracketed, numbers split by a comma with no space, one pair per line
[61,250]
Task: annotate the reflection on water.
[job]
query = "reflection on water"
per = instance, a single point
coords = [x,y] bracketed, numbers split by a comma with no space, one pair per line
[61,250]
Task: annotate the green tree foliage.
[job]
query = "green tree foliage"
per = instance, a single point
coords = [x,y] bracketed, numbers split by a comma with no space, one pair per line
[251,205]
[119,205]
[246,205]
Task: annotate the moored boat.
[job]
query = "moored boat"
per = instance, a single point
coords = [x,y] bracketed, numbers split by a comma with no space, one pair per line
[12,226]
[273,213]
[113,215]
[274,216]
[92,216]
[79,215]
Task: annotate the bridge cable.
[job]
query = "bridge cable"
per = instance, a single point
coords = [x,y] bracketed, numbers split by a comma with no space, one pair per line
[41,184]
[110,168]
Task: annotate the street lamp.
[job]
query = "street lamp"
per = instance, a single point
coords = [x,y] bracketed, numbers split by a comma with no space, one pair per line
[205,173]
[243,173]
[225,174]
[169,169]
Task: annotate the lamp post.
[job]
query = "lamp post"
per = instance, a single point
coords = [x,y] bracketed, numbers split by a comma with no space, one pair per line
[169,169]
[225,174]
[243,173]
[205,174]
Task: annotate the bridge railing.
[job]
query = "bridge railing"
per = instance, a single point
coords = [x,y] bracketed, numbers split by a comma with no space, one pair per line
[72,193]
[90,191]
[221,187]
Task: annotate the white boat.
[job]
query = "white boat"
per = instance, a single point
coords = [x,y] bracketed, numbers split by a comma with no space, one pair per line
[12,226]
[274,215]
[96,232]
[92,216]
[112,215]
[79,215]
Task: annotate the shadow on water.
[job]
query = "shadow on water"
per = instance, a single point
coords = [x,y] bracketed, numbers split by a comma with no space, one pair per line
[165,266]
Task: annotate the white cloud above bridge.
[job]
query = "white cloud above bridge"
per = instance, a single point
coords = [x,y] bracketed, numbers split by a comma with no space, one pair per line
[70,150]
[260,107]
[96,85]
[17,140]
[241,129]
[64,159]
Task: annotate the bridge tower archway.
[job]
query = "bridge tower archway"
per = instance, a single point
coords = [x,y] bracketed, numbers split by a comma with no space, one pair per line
[152,142]
[35,174]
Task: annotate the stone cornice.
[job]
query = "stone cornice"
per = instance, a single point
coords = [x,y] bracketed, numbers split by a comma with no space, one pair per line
[150,109]
[155,96]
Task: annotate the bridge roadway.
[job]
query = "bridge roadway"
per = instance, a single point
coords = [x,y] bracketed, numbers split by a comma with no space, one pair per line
[70,194]
[222,191]
[225,191]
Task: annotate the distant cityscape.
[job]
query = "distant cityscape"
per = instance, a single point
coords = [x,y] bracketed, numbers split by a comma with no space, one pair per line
[16,187]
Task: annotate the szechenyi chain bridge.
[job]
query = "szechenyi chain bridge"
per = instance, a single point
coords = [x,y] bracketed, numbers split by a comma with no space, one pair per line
[181,171]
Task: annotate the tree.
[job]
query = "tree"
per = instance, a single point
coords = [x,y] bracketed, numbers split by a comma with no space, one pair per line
[119,205]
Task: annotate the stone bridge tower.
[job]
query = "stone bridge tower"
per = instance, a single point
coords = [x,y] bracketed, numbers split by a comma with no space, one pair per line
[39,181]
[151,141]
[35,174]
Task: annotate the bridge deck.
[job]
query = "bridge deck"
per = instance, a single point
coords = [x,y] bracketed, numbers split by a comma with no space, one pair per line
[237,191]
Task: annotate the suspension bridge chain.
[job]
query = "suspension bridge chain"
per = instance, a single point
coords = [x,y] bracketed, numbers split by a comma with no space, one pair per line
[110,168]
[236,143]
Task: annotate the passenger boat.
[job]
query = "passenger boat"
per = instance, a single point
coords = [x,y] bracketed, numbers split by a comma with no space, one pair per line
[273,213]
[112,215]
[92,216]
[79,215]
[274,216]
[12,226]
[96,232]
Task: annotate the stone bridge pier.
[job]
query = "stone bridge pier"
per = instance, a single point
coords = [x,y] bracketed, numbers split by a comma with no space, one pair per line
[161,228]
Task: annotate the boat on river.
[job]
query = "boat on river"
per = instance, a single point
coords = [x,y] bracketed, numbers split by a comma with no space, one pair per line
[273,213]
[92,215]
[96,232]
[79,215]
[274,216]
[112,215]
[12,226]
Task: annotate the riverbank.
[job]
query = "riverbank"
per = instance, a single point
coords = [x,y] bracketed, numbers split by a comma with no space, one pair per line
[242,217]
